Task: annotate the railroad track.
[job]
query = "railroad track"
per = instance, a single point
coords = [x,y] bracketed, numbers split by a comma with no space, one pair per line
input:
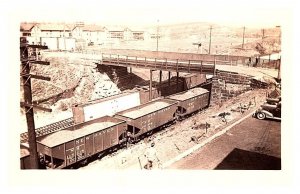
[47,129]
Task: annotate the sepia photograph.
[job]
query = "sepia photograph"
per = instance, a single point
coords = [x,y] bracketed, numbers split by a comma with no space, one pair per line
[152,88]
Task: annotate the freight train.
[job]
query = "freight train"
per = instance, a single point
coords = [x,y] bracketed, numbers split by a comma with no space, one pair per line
[81,141]
[93,134]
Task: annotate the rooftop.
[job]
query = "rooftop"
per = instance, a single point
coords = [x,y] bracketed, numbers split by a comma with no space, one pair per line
[93,28]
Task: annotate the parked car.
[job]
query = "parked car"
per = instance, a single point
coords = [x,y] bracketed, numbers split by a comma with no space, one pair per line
[267,110]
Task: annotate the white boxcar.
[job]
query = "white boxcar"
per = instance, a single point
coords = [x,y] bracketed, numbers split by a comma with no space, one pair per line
[105,106]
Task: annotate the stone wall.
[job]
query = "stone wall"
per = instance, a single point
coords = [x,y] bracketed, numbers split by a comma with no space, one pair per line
[226,85]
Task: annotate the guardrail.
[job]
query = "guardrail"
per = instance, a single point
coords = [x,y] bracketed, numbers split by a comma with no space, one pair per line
[198,66]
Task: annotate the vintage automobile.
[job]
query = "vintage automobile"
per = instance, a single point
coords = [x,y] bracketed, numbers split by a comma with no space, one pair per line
[269,110]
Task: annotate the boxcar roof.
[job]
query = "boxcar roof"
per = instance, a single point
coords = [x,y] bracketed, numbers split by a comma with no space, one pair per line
[188,94]
[106,98]
[144,110]
[63,136]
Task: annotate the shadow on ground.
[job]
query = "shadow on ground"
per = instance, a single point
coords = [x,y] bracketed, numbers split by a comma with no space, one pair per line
[239,159]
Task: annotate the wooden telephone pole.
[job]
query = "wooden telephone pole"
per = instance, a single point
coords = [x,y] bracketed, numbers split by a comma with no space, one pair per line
[28,106]
[209,39]
[243,37]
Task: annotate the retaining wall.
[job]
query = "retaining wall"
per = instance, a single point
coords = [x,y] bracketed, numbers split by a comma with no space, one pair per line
[226,85]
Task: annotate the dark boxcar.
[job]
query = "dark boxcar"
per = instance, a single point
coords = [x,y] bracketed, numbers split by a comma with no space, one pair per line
[149,116]
[144,93]
[193,80]
[81,141]
[191,100]
[24,159]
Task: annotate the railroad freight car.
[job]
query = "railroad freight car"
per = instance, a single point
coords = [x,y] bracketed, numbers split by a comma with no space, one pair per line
[146,117]
[105,106]
[69,146]
[193,80]
[190,101]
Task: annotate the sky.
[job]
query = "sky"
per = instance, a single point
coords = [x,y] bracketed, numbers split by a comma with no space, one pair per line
[255,13]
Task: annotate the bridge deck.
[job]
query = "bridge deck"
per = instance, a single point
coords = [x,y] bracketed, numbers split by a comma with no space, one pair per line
[188,66]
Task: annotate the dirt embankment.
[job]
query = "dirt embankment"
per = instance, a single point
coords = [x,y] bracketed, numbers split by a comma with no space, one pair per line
[73,80]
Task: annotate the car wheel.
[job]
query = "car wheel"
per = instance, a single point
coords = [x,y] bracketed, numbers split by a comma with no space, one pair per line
[261,115]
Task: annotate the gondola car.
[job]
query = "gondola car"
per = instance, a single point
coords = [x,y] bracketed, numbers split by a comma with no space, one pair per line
[190,101]
[69,146]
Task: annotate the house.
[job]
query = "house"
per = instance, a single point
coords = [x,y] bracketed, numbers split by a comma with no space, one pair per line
[120,33]
[94,33]
[139,34]
[25,29]
[54,30]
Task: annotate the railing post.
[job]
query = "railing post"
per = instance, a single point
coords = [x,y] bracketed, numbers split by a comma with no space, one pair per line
[145,61]
[136,61]
[155,63]
[177,65]
[189,65]
[201,65]
[166,64]
[215,66]
[118,59]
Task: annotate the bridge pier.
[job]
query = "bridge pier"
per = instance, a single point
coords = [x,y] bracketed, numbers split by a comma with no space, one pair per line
[160,77]
[150,86]
[177,79]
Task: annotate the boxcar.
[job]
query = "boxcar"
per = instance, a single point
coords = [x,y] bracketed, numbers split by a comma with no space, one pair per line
[146,117]
[105,106]
[193,80]
[190,101]
[68,146]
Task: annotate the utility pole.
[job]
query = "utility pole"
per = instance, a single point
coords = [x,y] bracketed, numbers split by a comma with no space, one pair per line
[209,39]
[279,69]
[26,62]
[243,37]
[64,37]
[157,35]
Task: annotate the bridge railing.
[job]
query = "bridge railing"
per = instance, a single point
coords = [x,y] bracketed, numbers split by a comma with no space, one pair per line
[198,66]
